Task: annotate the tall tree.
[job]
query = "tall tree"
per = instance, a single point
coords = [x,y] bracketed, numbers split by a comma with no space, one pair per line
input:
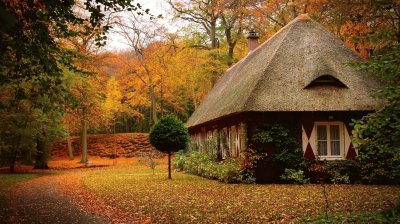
[204,13]
[138,34]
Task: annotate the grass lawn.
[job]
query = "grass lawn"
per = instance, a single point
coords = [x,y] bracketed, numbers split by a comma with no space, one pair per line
[187,198]
[7,183]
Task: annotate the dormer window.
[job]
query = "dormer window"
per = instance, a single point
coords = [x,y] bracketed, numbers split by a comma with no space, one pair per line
[326,80]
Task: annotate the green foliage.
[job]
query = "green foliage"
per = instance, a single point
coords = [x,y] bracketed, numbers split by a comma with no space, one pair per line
[288,150]
[21,129]
[169,134]
[377,135]
[343,171]
[295,176]
[250,162]
[205,165]
[335,171]
[275,148]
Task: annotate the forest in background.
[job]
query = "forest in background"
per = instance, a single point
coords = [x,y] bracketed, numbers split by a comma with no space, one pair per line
[163,72]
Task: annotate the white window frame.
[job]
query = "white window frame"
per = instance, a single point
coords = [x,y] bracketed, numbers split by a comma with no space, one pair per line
[341,144]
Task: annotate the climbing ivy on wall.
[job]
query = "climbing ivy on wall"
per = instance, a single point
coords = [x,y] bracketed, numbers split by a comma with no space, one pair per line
[273,148]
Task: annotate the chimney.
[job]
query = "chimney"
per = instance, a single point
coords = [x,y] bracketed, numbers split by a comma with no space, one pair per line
[252,40]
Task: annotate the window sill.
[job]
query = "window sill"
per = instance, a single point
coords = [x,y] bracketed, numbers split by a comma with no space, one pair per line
[331,158]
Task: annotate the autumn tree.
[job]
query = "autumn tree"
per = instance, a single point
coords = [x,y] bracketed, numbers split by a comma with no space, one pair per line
[203,13]
[235,15]
[138,34]
[169,135]
[113,99]
[88,109]
[32,60]
[360,24]
[192,73]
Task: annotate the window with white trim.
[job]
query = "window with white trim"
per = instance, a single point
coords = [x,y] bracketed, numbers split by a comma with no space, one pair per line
[329,139]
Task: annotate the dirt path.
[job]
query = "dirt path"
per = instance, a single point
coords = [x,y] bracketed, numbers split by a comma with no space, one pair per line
[42,201]
[61,198]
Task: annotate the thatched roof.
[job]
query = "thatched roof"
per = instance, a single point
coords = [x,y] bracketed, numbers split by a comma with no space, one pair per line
[275,75]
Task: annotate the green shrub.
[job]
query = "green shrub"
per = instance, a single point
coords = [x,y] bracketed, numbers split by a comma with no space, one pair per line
[169,135]
[295,176]
[343,171]
[229,171]
[379,166]
[378,134]
[274,149]
[337,171]
[179,161]
[205,165]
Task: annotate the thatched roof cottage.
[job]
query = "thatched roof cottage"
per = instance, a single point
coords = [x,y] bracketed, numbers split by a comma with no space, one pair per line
[299,77]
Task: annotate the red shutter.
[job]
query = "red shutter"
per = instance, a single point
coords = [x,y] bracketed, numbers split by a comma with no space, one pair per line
[351,152]
[308,127]
[309,154]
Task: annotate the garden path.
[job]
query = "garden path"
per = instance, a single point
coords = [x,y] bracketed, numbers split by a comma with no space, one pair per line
[41,200]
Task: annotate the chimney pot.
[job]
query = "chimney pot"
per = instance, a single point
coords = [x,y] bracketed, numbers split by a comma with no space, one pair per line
[252,40]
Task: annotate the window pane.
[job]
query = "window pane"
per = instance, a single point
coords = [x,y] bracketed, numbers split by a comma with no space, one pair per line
[322,148]
[322,140]
[335,140]
[334,129]
[335,148]
[321,132]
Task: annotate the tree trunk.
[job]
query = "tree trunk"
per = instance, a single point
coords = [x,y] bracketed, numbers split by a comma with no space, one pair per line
[84,142]
[71,155]
[152,96]
[153,104]
[213,35]
[162,94]
[42,152]
[169,165]
[195,104]
[115,140]
[228,36]
[12,162]
[230,54]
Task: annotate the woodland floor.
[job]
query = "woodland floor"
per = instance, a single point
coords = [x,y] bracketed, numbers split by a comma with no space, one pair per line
[127,191]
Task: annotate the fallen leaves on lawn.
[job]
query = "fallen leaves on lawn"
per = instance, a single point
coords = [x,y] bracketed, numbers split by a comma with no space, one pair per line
[71,186]
[191,199]
[128,192]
